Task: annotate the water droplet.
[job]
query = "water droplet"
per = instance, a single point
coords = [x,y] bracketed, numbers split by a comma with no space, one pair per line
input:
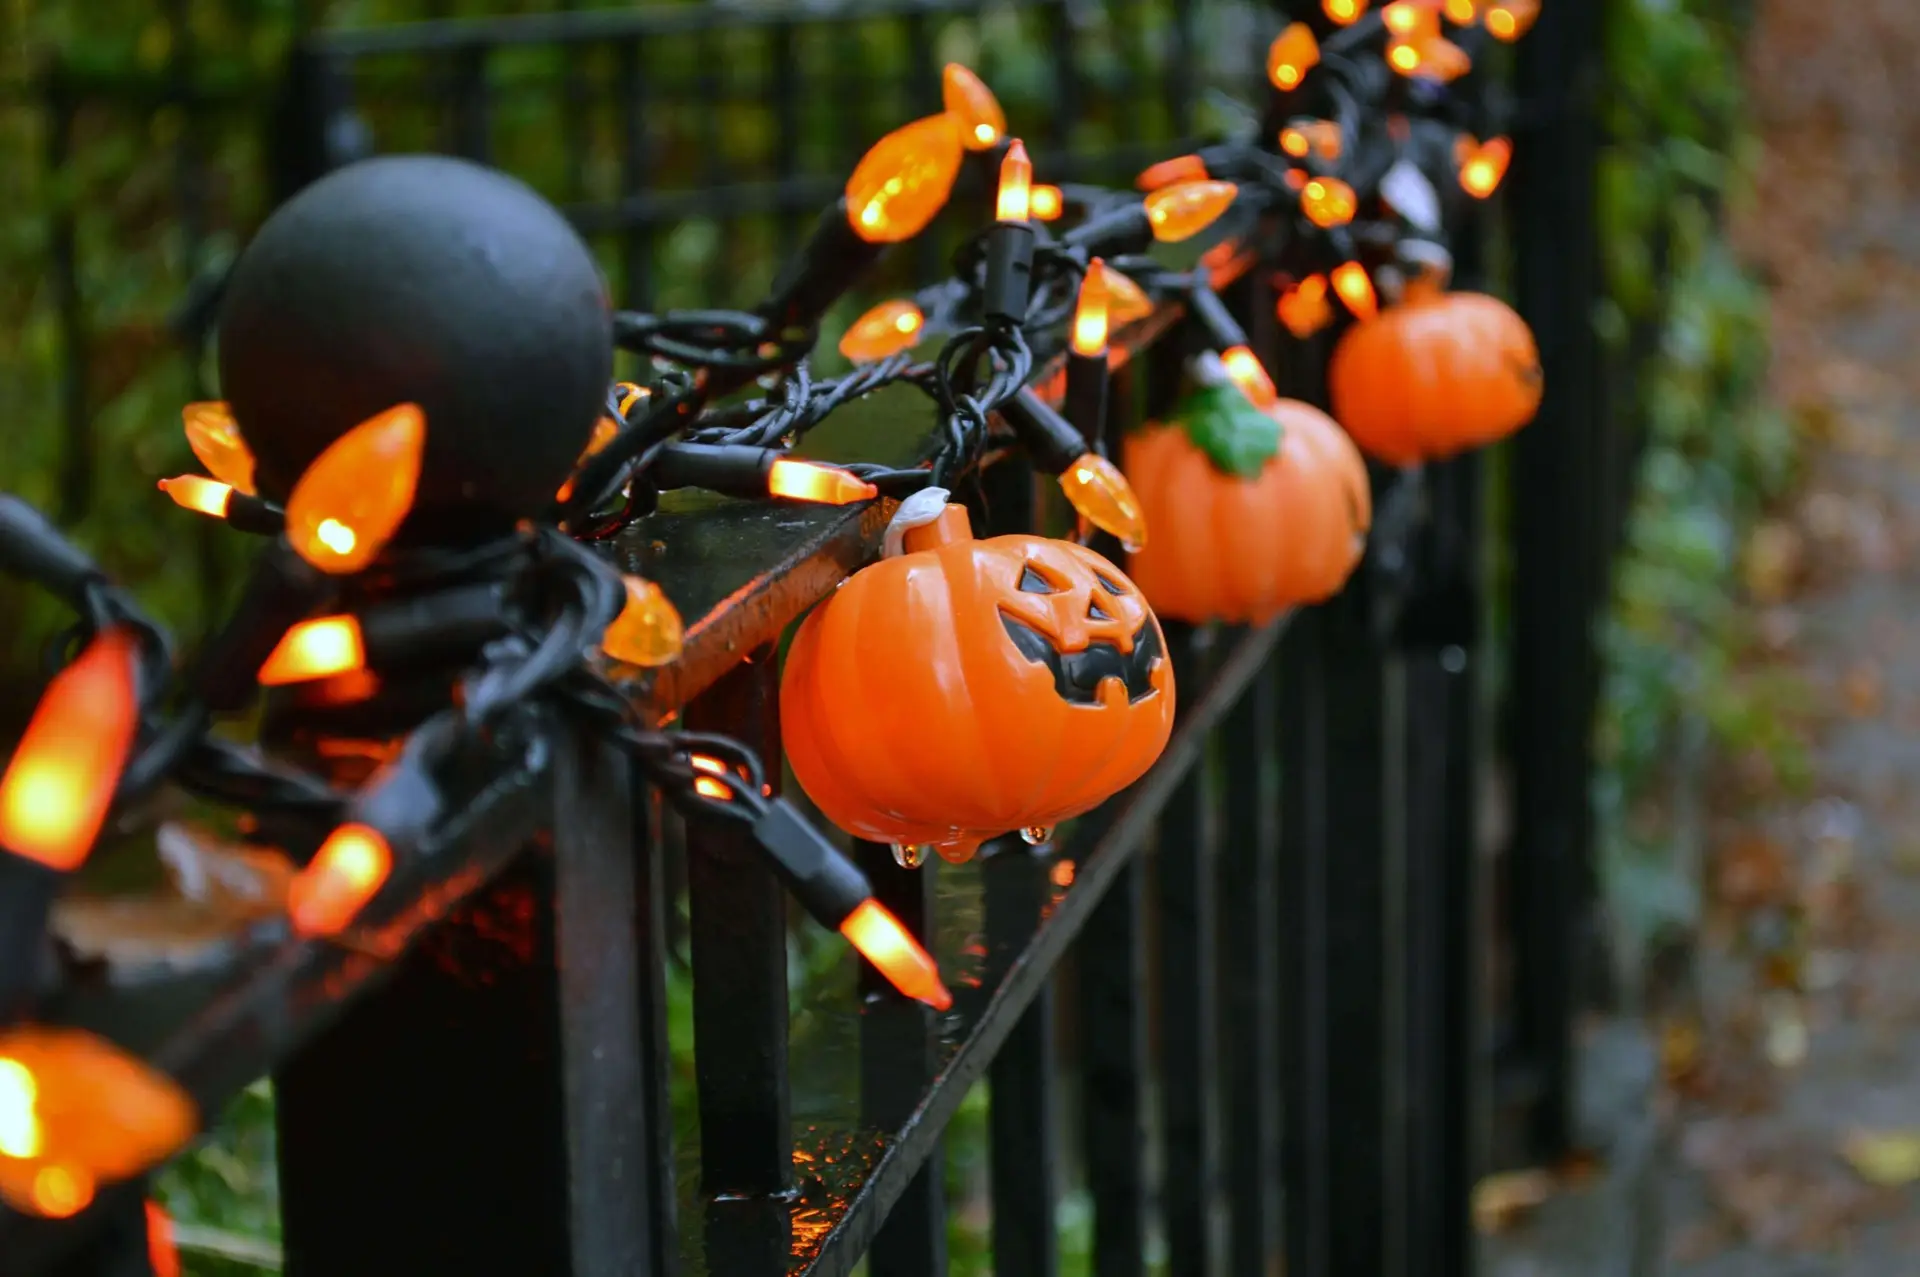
[910,855]
[1130,547]
[1034,835]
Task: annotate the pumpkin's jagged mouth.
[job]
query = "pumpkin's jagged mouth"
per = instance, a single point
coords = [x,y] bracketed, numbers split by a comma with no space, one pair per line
[1077,676]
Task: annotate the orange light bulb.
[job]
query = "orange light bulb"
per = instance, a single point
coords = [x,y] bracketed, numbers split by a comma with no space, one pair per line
[198,493]
[1462,12]
[1355,288]
[1510,19]
[1293,53]
[895,954]
[215,439]
[1294,143]
[320,648]
[883,332]
[1246,372]
[1101,495]
[357,493]
[1183,211]
[1126,300]
[353,864]
[1485,166]
[93,1114]
[1404,57]
[56,791]
[648,630]
[1303,308]
[1410,19]
[162,1255]
[1090,312]
[1014,203]
[1343,12]
[1441,59]
[817,482]
[1181,168]
[1046,203]
[1328,202]
[903,182]
[971,103]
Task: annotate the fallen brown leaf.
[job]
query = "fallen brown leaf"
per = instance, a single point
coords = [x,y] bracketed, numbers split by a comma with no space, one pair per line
[1500,1201]
[1886,1159]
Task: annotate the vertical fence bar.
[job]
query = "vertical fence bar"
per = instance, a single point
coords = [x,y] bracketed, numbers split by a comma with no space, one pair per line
[653,941]
[636,236]
[783,71]
[923,98]
[77,448]
[738,937]
[1023,1157]
[1249,904]
[1187,876]
[508,1045]
[710,83]
[896,1063]
[1558,558]
[470,121]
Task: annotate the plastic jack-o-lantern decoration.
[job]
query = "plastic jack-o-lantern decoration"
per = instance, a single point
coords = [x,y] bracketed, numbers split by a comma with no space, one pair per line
[1253,510]
[960,689]
[1436,374]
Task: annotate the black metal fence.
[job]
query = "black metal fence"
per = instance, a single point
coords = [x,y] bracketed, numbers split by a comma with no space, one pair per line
[1259,980]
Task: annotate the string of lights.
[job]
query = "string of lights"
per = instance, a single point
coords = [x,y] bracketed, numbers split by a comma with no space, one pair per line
[459,653]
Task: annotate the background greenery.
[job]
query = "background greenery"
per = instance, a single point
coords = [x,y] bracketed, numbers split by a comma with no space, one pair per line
[1686,326]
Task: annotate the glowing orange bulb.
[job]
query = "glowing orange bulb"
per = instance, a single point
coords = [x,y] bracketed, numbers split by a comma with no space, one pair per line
[162,1256]
[1328,202]
[57,789]
[1126,300]
[1090,312]
[1441,59]
[1462,12]
[1046,203]
[1293,53]
[215,439]
[708,787]
[1485,166]
[1509,19]
[1303,308]
[1296,178]
[1101,495]
[969,100]
[1015,200]
[648,630]
[357,493]
[1403,57]
[1295,143]
[816,482]
[1061,873]
[1245,370]
[1351,282]
[630,395]
[95,1115]
[1181,168]
[904,180]
[1409,19]
[1343,12]
[895,954]
[199,494]
[319,648]
[1183,211]
[883,332]
[349,868]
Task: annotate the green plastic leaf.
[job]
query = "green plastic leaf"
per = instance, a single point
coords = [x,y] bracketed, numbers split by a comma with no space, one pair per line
[1236,436]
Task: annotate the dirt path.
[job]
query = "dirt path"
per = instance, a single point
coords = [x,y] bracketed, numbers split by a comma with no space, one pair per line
[1797,1116]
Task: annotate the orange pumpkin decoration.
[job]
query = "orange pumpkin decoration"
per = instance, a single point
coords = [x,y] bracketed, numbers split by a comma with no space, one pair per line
[965,689]
[1287,528]
[1435,375]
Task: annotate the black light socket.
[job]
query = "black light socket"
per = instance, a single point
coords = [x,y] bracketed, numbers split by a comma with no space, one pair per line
[827,884]
[1009,279]
[32,548]
[1049,438]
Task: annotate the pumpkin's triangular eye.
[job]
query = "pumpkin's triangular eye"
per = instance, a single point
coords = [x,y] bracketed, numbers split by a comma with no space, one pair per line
[1032,582]
[1111,587]
[1095,612]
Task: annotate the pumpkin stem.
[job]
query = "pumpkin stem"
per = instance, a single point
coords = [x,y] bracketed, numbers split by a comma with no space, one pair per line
[949,526]
[1429,270]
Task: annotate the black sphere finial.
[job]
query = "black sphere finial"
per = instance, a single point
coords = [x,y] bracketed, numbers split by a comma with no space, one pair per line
[429,280]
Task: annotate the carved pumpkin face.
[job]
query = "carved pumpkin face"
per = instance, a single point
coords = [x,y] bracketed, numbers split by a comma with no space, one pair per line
[1436,375]
[1241,550]
[966,689]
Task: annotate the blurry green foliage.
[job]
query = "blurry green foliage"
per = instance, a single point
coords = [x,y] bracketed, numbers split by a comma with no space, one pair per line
[1688,325]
